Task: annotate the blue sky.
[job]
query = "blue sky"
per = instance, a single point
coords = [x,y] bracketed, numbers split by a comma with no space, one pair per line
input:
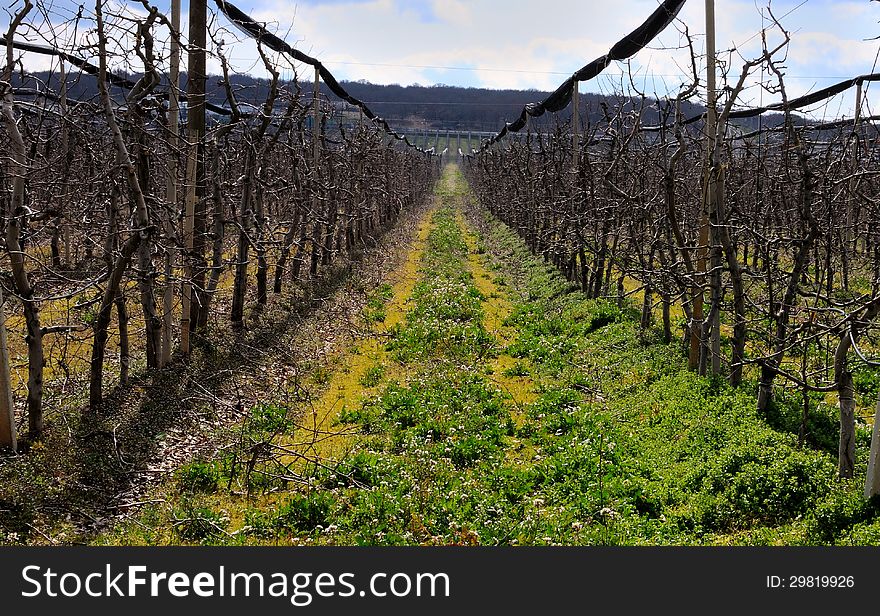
[520,44]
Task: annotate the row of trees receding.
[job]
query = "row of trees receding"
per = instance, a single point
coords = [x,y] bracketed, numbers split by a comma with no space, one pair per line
[130,200]
[762,246]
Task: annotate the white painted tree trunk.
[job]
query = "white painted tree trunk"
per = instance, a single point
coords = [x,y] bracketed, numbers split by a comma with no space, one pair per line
[872,481]
[8,437]
[171,186]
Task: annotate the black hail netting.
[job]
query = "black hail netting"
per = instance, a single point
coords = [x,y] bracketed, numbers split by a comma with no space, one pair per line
[261,34]
[557,101]
[623,49]
[91,69]
[252,29]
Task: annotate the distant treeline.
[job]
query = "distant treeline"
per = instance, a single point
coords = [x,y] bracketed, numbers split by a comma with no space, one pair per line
[415,107]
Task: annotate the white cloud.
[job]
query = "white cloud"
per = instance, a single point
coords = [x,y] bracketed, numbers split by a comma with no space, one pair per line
[453,12]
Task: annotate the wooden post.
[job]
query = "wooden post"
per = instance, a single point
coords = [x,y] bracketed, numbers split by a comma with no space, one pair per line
[8,437]
[195,120]
[171,182]
[711,112]
[316,153]
[199,308]
[189,211]
[316,117]
[575,117]
[850,213]
[65,147]
[697,330]
[712,205]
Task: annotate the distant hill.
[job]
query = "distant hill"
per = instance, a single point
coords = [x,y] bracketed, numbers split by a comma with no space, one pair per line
[439,107]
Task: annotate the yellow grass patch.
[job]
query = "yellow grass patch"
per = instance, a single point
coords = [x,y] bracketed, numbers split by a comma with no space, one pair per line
[496,309]
[319,435]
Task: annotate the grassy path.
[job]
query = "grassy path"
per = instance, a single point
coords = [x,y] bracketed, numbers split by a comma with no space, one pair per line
[361,369]
[489,402]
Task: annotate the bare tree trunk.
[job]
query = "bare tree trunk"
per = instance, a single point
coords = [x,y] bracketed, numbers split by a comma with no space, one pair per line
[8,436]
[124,352]
[289,238]
[245,214]
[219,231]
[152,320]
[239,288]
[102,323]
[141,152]
[666,299]
[142,233]
[17,214]
[845,392]
[846,453]
[260,244]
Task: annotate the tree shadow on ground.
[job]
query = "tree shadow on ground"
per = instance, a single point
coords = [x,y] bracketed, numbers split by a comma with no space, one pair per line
[66,488]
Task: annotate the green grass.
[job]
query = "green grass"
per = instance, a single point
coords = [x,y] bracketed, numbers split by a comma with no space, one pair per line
[622,445]
[373,376]
[691,461]
[376,309]
[446,319]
